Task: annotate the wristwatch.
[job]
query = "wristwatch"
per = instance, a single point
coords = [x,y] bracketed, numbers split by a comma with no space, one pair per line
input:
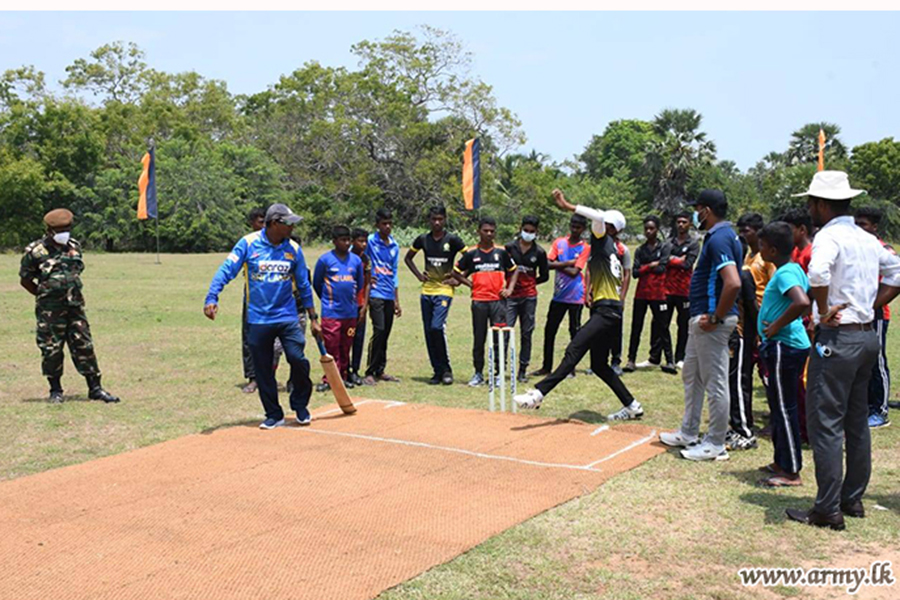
[714,319]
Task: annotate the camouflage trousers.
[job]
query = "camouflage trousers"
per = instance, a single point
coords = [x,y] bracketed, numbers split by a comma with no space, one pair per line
[58,326]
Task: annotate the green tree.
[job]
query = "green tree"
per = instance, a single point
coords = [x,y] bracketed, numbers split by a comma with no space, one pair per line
[621,151]
[21,210]
[804,145]
[680,149]
[875,166]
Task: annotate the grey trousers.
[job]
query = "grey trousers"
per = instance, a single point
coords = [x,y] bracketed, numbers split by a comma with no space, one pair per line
[706,372]
[840,366]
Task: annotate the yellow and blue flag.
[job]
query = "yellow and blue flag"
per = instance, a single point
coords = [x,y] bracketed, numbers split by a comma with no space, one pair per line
[147,186]
[471,179]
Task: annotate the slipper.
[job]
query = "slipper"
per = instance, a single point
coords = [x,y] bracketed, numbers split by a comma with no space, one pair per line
[386,377]
[780,481]
[769,468]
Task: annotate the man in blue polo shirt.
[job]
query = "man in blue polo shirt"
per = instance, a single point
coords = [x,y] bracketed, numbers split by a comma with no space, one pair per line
[272,263]
[384,297]
[714,288]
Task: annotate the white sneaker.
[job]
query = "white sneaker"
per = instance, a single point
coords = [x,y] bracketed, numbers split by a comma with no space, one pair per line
[705,451]
[530,399]
[679,365]
[627,413]
[646,365]
[676,439]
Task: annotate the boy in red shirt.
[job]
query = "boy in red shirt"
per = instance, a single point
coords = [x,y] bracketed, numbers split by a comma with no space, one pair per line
[491,274]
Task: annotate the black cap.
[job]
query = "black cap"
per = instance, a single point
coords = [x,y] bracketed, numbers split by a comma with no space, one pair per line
[280,212]
[714,199]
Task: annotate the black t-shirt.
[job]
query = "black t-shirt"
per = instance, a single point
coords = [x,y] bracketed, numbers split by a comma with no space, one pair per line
[439,255]
[532,268]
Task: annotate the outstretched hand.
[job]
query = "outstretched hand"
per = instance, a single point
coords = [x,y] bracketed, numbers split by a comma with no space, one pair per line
[561,201]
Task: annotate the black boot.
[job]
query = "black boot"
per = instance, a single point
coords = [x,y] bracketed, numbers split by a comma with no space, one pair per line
[56,391]
[96,391]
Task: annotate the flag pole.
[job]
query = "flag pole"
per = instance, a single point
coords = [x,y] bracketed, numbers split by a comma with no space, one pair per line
[152,148]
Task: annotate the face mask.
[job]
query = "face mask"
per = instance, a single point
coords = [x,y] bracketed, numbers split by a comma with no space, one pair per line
[697,222]
[528,237]
[61,238]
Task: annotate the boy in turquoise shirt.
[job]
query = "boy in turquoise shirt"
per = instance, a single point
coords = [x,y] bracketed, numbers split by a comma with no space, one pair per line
[785,348]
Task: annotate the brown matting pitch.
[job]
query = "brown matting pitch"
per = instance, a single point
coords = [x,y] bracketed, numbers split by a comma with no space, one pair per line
[343,509]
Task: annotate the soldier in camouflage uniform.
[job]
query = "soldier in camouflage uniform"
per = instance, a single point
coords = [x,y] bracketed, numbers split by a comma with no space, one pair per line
[51,271]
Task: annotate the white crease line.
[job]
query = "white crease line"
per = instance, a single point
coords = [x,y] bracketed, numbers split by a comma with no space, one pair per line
[390,404]
[448,449]
[625,449]
[600,429]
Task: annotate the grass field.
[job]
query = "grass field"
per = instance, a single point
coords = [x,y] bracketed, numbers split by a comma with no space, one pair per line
[669,529]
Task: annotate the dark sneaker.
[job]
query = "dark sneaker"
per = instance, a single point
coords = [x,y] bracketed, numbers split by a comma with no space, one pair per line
[877,421]
[435,380]
[349,385]
[477,379]
[618,370]
[303,417]
[56,397]
[101,394]
[447,379]
[271,423]
[670,369]
[540,373]
[356,379]
[629,367]
[523,377]
[322,387]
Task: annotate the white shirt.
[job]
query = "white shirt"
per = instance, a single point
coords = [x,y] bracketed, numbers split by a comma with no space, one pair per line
[848,261]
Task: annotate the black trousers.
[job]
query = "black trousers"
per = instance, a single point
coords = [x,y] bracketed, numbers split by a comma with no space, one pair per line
[880,384]
[485,315]
[262,341]
[740,384]
[523,309]
[382,314]
[359,341]
[249,371]
[597,336]
[785,367]
[555,315]
[660,339]
[682,306]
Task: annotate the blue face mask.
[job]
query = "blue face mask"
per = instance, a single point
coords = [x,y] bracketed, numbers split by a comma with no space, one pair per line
[696,220]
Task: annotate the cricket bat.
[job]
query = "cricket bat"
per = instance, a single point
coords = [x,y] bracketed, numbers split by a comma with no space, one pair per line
[334,380]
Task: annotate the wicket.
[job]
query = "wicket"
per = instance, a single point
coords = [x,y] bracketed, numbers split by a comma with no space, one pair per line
[497,346]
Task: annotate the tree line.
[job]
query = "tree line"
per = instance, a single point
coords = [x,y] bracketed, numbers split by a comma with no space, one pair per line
[336,144]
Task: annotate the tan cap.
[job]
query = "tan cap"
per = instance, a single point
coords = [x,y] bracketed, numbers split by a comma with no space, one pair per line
[59,217]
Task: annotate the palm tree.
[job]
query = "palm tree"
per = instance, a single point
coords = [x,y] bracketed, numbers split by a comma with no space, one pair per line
[680,148]
[804,144]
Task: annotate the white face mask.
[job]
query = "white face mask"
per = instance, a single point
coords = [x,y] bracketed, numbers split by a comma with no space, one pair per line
[528,237]
[61,238]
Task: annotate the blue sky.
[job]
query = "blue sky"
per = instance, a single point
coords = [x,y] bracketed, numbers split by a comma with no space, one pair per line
[755,77]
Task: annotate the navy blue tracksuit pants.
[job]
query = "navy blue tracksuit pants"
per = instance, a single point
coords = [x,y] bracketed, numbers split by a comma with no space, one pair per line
[261,338]
[434,319]
[785,367]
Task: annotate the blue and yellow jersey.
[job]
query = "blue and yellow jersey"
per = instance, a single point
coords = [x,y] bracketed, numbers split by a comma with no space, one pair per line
[270,274]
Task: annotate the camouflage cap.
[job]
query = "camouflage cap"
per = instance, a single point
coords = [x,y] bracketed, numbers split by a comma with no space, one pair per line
[59,217]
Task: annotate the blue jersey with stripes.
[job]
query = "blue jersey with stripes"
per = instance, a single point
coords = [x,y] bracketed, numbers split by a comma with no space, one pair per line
[385,257]
[336,282]
[270,274]
[721,248]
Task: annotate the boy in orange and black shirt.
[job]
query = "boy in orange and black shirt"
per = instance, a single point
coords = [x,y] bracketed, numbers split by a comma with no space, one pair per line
[491,273]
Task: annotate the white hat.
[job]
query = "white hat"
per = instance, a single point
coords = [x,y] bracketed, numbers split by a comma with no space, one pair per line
[615,218]
[831,185]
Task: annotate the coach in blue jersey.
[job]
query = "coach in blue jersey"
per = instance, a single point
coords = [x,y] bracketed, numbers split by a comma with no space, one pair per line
[272,264]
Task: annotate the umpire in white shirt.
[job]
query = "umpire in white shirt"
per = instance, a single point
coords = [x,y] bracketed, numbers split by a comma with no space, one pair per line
[843,279]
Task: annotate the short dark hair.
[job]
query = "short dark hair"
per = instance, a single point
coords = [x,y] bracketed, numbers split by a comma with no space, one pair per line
[437,209]
[487,221]
[339,231]
[798,217]
[383,214]
[256,213]
[875,215]
[359,232]
[578,220]
[531,220]
[751,220]
[778,234]
[652,219]
[682,215]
